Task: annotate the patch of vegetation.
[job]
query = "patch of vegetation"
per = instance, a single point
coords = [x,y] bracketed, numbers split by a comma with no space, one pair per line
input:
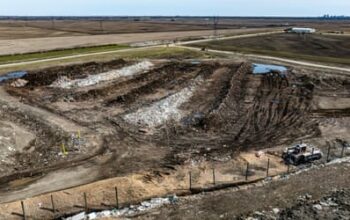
[165,53]
[144,53]
[59,53]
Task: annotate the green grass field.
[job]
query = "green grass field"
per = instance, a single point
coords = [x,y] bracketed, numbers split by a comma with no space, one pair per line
[58,53]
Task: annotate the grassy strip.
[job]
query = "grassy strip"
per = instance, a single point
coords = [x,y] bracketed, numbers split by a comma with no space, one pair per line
[149,53]
[5,59]
[282,54]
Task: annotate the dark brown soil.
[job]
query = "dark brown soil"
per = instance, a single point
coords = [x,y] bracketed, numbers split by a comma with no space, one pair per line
[313,47]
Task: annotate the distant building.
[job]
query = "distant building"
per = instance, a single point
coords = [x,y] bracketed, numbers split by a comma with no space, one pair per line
[299,30]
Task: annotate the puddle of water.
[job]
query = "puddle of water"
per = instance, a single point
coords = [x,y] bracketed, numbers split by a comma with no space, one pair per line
[12,75]
[266,68]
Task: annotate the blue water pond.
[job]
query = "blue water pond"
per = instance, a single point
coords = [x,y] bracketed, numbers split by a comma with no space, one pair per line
[266,68]
[12,75]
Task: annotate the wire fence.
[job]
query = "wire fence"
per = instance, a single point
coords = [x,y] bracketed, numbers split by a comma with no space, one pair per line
[194,186]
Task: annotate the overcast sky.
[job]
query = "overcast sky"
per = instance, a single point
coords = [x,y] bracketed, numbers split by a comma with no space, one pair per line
[176,7]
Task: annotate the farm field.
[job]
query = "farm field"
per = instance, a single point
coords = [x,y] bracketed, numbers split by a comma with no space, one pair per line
[314,47]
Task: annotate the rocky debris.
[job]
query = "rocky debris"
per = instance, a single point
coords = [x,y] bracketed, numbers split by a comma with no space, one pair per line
[19,83]
[334,206]
[164,110]
[66,83]
[128,211]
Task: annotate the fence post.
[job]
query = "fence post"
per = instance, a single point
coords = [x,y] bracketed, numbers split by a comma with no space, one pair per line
[190,179]
[53,205]
[329,151]
[247,172]
[85,203]
[214,180]
[342,151]
[268,167]
[116,197]
[23,211]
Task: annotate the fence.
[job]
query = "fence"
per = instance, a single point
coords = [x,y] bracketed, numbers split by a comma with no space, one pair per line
[192,188]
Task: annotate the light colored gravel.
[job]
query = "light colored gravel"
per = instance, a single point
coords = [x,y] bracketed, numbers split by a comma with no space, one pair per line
[164,110]
[66,83]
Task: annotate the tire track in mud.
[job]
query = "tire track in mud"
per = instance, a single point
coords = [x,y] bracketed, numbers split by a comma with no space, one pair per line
[277,114]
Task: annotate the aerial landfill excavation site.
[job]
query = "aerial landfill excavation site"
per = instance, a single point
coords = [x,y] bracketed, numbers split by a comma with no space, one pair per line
[208,136]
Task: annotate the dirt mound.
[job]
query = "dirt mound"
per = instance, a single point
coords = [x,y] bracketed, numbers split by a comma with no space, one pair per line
[77,71]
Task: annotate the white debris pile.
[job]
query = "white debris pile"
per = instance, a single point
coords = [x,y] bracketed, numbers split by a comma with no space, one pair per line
[66,83]
[164,110]
[7,142]
[132,210]
[19,83]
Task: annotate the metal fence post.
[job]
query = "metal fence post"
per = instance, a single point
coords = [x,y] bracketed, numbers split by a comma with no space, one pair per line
[214,179]
[53,205]
[116,197]
[23,211]
[247,172]
[268,167]
[342,151]
[85,203]
[328,153]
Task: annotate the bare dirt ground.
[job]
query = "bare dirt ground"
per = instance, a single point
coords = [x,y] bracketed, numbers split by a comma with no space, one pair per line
[274,200]
[31,28]
[150,122]
[312,47]
[333,206]
[18,46]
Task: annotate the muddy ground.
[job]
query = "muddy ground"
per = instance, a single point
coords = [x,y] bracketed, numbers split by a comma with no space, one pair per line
[100,120]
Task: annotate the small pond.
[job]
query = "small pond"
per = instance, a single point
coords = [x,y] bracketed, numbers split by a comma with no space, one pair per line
[266,68]
[12,75]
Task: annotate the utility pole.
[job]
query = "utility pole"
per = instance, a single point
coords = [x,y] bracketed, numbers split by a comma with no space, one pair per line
[101,25]
[53,23]
[215,26]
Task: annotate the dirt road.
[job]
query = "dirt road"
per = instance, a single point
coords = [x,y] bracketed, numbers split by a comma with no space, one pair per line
[19,46]
[290,61]
[231,37]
